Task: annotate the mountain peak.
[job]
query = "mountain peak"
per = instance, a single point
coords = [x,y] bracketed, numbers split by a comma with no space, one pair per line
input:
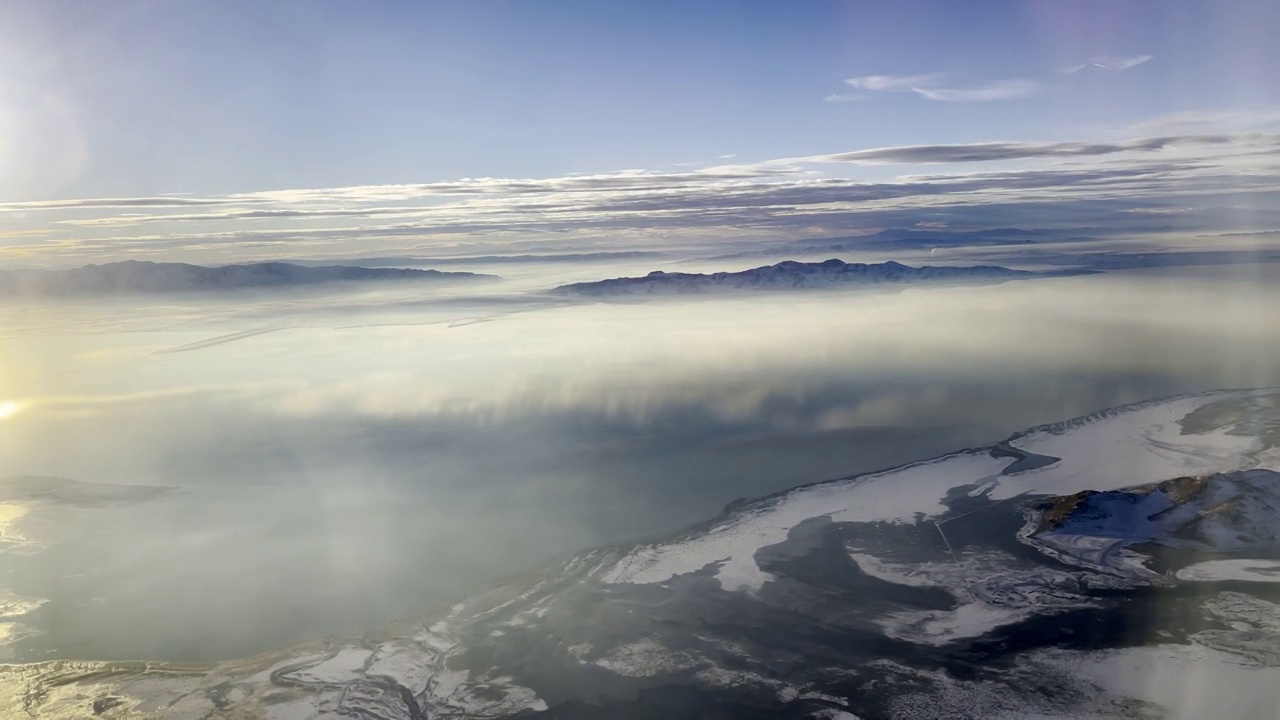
[787,275]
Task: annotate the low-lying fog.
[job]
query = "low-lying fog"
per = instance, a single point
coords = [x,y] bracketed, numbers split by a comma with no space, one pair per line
[338,461]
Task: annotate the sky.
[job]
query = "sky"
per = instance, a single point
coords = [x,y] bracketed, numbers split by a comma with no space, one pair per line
[193,130]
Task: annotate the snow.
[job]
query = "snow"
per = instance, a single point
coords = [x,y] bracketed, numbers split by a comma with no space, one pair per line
[1105,554]
[1097,531]
[264,676]
[446,683]
[1217,570]
[1131,447]
[823,697]
[903,495]
[407,666]
[984,488]
[1246,610]
[346,665]
[436,637]
[580,651]
[1190,682]
[294,710]
[533,612]
[834,714]
[918,575]
[992,590]
[939,627]
[644,659]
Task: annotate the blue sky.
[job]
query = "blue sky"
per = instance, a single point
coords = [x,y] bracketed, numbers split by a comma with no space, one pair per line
[135,99]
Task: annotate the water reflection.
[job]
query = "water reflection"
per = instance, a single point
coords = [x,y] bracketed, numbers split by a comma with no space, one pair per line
[328,478]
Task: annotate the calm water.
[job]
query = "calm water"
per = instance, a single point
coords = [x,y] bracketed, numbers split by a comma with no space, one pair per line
[352,460]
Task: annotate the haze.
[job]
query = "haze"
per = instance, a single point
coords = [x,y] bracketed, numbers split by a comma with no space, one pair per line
[313,461]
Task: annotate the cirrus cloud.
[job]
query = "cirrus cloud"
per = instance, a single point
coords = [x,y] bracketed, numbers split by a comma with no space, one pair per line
[989,151]
[933,86]
[1109,62]
[999,90]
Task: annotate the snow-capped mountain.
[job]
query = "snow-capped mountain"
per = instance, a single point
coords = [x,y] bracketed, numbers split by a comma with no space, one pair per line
[789,275]
[1225,512]
[134,276]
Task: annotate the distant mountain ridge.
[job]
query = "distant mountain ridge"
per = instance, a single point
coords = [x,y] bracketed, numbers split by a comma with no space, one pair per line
[143,277]
[789,275]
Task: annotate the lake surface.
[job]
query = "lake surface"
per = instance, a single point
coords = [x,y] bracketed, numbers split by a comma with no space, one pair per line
[334,462]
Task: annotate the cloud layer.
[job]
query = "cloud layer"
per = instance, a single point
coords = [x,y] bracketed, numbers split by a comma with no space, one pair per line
[985,152]
[1216,181]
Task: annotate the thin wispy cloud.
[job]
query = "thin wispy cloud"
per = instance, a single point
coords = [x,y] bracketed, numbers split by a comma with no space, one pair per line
[1200,121]
[934,86]
[1092,183]
[940,88]
[137,202]
[999,90]
[1111,63]
[987,152]
[882,83]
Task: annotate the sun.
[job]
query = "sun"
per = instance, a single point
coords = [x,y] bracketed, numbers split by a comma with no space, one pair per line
[8,408]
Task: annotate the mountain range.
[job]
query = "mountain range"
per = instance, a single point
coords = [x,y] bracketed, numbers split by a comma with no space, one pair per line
[135,277]
[789,275]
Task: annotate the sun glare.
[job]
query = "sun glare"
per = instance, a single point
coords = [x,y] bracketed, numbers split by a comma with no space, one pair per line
[8,408]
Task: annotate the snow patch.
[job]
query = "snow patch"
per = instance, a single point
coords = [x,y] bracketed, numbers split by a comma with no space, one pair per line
[645,659]
[344,666]
[1190,682]
[939,627]
[903,495]
[1267,571]
[1129,447]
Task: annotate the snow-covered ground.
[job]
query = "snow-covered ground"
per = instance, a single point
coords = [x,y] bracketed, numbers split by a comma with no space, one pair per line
[1218,570]
[1127,447]
[901,495]
[1188,682]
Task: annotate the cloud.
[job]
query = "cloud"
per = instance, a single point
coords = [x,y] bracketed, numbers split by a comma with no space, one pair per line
[931,86]
[1090,183]
[881,83]
[999,90]
[1109,62]
[1199,121]
[275,214]
[139,202]
[984,152]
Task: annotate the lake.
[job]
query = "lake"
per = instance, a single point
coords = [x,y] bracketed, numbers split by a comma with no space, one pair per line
[332,462]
